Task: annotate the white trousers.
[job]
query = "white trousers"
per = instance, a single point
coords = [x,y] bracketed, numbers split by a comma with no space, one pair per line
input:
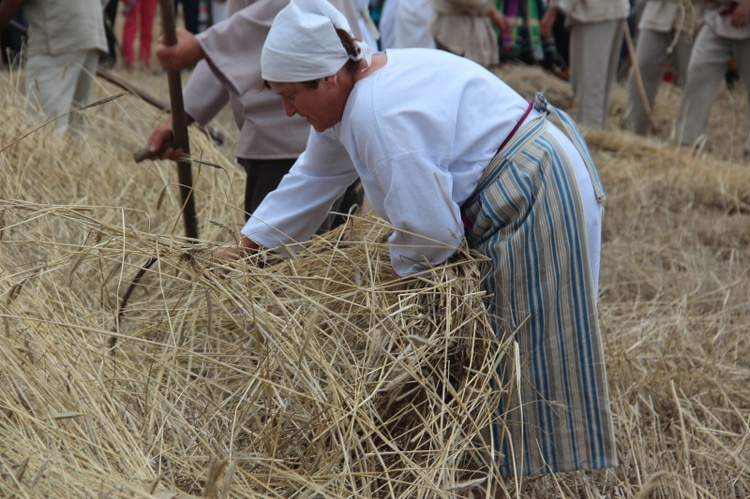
[652,57]
[708,64]
[55,83]
[594,56]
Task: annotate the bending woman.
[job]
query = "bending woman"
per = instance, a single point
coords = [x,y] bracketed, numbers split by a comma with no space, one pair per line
[446,151]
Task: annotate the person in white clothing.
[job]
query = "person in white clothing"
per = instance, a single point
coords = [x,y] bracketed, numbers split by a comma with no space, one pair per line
[666,32]
[65,42]
[406,24]
[368,30]
[219,10]
[596,35]
[466,28]
[726,34]
[447,153]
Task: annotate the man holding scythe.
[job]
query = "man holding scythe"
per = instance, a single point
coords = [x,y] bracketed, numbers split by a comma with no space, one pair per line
[227,70]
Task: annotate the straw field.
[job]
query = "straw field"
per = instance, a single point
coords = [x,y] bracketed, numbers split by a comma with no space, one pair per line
[311,376]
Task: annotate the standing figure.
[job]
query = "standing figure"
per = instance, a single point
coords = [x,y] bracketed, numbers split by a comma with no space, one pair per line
[525,41]
[219,11]
[596,35]
[447,152]
[367,28]
[139,18]
[65,41]
[666,32]
[726,34]
[11,41]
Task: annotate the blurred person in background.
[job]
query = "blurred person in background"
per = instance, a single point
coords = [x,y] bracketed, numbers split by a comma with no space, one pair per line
[406,24]
[367,28]
[464,27]
[139,19]
[596,36]
[666,32]
[109,60]
[11,41]
[65,42]
[190,14]
[725,35]
[219,11]
[525,41]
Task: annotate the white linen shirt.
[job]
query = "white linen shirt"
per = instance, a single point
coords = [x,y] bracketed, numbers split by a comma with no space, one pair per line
[419,133]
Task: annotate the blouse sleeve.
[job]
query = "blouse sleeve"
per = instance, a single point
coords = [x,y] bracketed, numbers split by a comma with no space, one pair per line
[418,204]
[299,205]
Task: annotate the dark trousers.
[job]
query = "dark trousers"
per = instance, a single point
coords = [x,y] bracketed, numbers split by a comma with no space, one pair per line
[189,14]
[110,16]
[264,175]
[11,40]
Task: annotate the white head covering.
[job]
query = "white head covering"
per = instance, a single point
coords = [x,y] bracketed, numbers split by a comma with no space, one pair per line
[302,44]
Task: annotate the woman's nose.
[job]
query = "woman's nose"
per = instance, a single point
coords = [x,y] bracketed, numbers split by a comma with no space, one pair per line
[289,109]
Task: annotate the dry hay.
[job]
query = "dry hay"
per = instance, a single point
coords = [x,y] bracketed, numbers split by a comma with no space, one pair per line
[287,378]
[298,376]
[277,381]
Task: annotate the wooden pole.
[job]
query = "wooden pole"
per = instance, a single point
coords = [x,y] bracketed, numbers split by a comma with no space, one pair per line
[637,76]
[184,167]
[179,125]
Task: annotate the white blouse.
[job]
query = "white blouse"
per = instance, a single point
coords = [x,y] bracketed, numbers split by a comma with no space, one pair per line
[419,133]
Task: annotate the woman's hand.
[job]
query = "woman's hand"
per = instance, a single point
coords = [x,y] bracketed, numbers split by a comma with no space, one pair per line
[230,253]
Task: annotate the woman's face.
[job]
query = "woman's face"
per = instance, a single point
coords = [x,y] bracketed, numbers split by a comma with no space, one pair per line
[322,107]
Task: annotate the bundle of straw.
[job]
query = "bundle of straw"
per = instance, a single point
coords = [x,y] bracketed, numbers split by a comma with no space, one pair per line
[290,377]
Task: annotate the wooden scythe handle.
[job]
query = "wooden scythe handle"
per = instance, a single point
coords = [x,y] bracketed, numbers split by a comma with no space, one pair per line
[179,125]
[637,76]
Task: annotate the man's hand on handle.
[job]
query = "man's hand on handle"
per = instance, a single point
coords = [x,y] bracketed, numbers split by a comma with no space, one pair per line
[182,55]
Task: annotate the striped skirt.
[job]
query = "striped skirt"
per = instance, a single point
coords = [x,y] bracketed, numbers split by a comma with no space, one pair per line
[528,218]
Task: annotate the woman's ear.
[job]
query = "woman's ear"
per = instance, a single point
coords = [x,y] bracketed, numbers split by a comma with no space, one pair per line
[331,81]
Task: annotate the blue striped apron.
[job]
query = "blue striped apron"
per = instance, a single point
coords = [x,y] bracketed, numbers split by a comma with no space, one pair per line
[526,215]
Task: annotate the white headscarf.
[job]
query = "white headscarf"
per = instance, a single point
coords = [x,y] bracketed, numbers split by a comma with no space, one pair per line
[302,44]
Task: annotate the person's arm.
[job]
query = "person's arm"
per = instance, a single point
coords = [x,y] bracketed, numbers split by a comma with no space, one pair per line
[547,21]
[182,55]
[204,96]
[232,252]
[499,20]
[8,9]
[295,209]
